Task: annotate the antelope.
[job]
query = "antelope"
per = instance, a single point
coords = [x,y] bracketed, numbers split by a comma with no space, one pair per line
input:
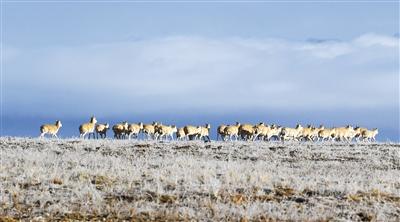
[149,130]
[326,134]
[120,129]
[344,133]
[88,128]
[166,131]
[220,132]
[134,129]
[204,132]
[232,131]
[310,133]
[369,135]
[51,129]
[246,131]
[102,130]
[274,131]
[358,132]
[180,134]
[260,131]
[191,132]
[291,133]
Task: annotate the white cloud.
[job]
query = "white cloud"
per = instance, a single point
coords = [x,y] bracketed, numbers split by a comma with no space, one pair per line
[328,50]
[186,73]
[374,39]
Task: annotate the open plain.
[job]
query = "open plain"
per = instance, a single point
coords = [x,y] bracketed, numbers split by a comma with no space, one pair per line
[73,179]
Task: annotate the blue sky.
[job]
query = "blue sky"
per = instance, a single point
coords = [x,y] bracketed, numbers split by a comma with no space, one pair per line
[331,63]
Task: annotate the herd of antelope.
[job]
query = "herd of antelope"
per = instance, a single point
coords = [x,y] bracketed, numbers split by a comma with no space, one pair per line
[260,131]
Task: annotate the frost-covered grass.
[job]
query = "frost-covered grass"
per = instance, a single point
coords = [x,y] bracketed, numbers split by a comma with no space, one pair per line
[76,179]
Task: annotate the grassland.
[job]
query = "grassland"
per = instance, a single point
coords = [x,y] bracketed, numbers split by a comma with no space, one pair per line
[71,179]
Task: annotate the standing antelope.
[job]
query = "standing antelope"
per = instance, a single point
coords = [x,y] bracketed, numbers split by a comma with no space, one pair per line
[51,129]
[232,131]
[134,130]
[101,129]
[220,132]
[191,132]
[120,130]
[88,128]
[204,132]
[166,131]
[370,135]
[180,134]
[150,130]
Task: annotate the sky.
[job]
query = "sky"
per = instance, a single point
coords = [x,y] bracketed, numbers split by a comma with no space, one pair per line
[331,63]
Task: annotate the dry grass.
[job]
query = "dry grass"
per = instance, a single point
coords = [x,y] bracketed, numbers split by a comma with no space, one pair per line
[179,181]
